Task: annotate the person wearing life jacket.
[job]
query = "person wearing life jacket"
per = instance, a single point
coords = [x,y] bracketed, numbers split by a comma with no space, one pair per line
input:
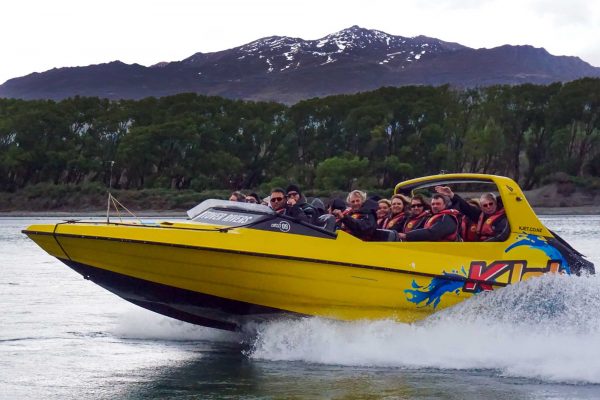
[360,218]
[420,211]
[492,224]
[383,213]
[441,226]
[468,227]
[399,213]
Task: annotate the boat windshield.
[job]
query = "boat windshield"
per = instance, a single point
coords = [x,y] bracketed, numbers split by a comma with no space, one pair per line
[229,213]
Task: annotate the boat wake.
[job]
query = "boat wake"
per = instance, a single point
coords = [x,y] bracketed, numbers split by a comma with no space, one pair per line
[545,329]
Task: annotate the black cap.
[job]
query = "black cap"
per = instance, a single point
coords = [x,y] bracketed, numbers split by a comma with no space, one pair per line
[292,188]
[338,204]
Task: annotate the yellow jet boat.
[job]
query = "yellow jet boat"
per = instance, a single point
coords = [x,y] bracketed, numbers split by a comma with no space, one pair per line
[232,263]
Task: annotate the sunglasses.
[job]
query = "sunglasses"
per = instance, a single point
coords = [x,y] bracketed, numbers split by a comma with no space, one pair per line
[486,205]
[290,194]
[416,205]
[276,199]
[251,200]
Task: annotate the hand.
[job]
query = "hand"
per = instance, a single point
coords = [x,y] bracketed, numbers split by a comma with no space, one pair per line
[445,190]
[291,202]
[401,235]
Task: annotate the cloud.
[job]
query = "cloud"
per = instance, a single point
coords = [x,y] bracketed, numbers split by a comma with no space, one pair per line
[567,13]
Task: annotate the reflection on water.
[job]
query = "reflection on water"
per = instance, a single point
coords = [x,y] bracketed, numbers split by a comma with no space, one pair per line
[229,375]
[62,337]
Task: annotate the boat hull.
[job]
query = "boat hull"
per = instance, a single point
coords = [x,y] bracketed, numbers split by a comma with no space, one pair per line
[225,279]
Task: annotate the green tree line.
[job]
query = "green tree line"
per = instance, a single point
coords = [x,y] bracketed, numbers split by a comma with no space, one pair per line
[369,140]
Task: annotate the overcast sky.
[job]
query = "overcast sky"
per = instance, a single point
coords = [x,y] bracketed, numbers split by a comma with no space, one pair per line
[38,35]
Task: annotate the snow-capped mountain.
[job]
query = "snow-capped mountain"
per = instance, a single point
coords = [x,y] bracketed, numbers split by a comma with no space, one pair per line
[289,69]
[279,53]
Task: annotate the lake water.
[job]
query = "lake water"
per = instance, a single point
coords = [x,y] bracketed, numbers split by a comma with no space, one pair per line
[62,337]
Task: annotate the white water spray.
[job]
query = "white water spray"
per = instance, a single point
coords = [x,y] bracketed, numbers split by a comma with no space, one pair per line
[546,328]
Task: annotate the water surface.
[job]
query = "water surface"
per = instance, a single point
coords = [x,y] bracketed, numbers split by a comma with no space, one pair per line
[62,337]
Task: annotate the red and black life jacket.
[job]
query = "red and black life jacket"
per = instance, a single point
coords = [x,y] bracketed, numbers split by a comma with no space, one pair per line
[393,220]
[468,230]
[453,237]
[382,222]
[485,226]
[416,222]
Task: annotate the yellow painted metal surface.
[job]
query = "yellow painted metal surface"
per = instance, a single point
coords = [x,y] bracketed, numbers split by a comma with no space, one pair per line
[342,278]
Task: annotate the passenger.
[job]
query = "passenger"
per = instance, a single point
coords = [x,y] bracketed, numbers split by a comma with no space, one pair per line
[419,213]
[280,205]
[443,225]
[295,198]
[340,205]
[492,224]
[360,219]
[468,228]
[253,198]
[400,205]
[383,213]
[237,196]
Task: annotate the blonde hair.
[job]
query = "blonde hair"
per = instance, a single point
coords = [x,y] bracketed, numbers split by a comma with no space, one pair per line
[357,193]
[386,201]
[403,198]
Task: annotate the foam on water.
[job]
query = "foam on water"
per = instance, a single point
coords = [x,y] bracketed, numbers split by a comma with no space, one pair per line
[546,328]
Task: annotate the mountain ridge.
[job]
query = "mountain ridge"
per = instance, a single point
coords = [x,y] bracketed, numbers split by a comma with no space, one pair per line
[286,69]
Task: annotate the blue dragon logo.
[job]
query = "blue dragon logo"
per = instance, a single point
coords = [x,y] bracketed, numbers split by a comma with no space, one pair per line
[439,286]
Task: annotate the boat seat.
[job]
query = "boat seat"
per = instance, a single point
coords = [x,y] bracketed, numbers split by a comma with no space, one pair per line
[385,235]
[327,222]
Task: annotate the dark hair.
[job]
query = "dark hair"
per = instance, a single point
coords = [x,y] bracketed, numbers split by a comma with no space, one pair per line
[445,199]
[278,190]
[337,204]
[421,200]
[238,195]
[256,196]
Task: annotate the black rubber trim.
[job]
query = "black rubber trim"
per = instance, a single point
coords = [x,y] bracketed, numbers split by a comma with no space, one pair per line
[167,300]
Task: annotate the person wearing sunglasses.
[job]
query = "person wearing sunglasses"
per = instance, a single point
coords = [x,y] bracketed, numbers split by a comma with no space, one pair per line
[442,226]
[492,224]
[418,213]
[279,203]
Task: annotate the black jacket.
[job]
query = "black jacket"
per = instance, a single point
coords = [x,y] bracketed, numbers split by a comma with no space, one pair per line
[312,214]
[364,224]
[296,212]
